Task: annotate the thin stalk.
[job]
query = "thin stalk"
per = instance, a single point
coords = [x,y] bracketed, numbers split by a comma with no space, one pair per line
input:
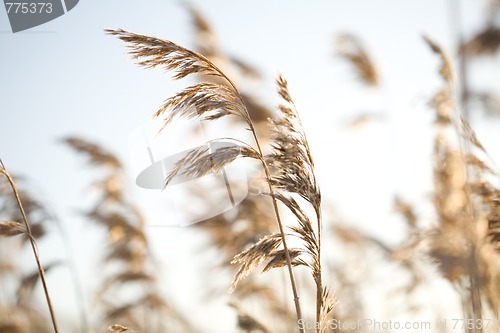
[41,272]
[319,300]
[475,296]
[319,278]
[280,223]
[271,191]
[282,232]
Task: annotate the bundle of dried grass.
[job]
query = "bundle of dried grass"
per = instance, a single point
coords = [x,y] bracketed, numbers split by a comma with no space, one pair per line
[484,198]
[128,249]
[293,175]
[453,244]
[289,170]
[232,233]
[464,242]
[465,202]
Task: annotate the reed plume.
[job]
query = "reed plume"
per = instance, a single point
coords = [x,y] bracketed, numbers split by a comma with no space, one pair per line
[272,249]
[465,202]
[351,49]
[128,246]
[251,219]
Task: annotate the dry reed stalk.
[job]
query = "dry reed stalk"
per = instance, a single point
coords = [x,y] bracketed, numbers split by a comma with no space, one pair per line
[251,207]
[484,197]
[453,245]
[20,311]
[26,231]
[38,214]
[464,244]
[207,101]
[232,233]
[158,52]
[293,175]
[464,252]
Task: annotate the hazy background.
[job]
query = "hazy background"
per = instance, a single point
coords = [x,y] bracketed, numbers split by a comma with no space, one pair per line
[67,77]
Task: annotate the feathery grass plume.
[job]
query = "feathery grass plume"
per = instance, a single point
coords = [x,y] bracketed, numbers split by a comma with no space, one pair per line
[251,219]
[152,52]
[208,101]
[461,245]
[452,245]
[446,70]
[485,198]
[202,161]
[27,231]
[351,49]
[259,252]
[128,249]
[292,174]
[11,228]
